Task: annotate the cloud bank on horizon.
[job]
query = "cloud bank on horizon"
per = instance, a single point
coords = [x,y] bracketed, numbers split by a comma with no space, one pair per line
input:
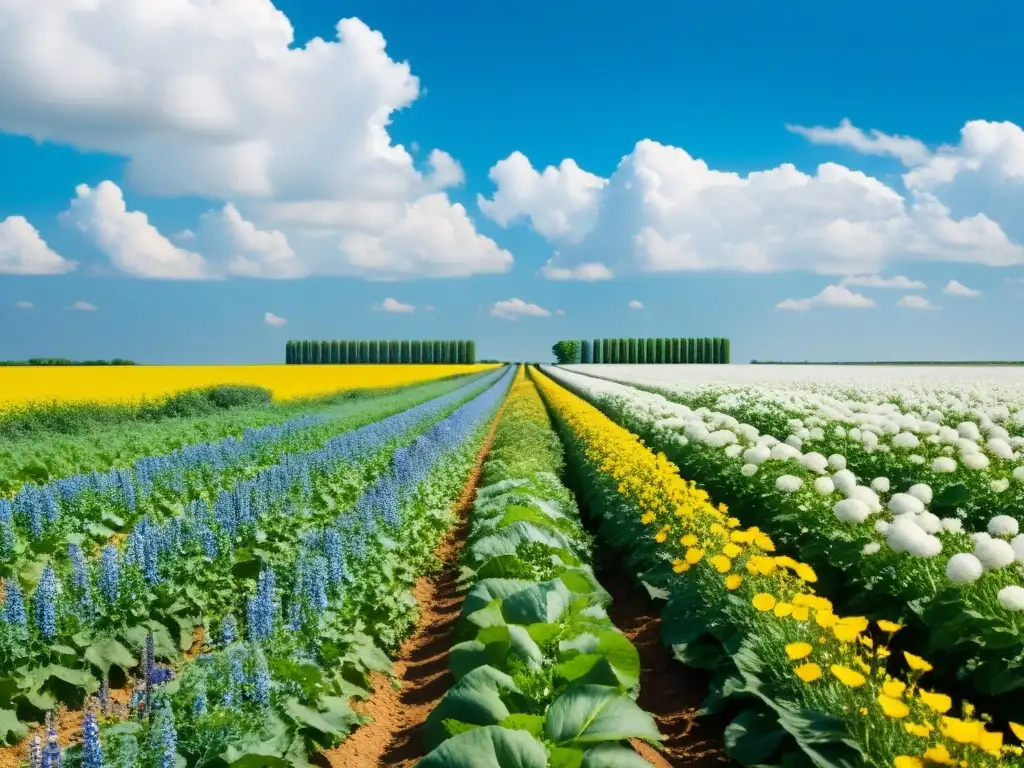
[293,143]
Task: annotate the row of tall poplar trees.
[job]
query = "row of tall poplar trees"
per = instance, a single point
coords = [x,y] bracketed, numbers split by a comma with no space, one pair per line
[700,350]
[444,351]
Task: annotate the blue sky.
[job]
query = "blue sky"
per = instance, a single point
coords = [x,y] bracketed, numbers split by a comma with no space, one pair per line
[705,254]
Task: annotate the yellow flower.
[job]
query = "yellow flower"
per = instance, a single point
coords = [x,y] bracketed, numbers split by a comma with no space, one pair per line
[905,761]
[960,731]
[847,676]
[939,755]
[806,573]
[660,536]
[732,522]
[917,663]
[689,540]
[783,609]
[845,634]
[937,702]
[647,518]
[889,626]
[917,729]
[1018,730]
[798,650]
[808,672]
[731,550]
[764,542]
[721,563]
[893,708]
[733,581]
[894,688]
[801,613]
[763,601]
[825,619]
[680,566]
[693,556]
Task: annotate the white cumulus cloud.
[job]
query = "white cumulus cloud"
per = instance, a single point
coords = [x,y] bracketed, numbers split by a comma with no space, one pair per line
[512,309]
[665,210]
[274,320]
[24,305]
[24,252]
[292,133]
[83,306]
[560,202]
[877,281]
[909,150]
[634,304]
[912,301]
[956,288]
[245,249]
[830,296]
[130,242]
[588,272]
[394,305]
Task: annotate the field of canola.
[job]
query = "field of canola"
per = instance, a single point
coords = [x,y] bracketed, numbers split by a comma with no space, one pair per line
[21,386]
[837,567]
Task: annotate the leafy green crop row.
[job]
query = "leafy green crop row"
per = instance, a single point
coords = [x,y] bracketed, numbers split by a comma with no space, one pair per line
[543,678]
[65,440]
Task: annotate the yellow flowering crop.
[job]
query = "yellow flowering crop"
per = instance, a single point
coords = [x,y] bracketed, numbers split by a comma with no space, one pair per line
[25,385]
[899,722]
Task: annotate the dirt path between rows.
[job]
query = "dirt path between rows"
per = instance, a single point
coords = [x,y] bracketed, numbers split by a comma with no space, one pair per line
[668,690]
[392,738]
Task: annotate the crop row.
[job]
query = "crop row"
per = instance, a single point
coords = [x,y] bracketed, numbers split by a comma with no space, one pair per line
[878,549]
[289,596]
[972,462]
[812,686]
[542,676]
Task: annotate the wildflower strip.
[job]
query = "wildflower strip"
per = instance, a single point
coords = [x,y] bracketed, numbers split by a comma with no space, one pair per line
[808,679]
[538,657]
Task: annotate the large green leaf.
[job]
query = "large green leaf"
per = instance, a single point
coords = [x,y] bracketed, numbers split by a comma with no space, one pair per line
[12,730]
[753,737]
[107,652]
[538,603]
[505,541]
[334,718]
[583,652]
[486,590]
[492,646]
[475,699]
[488,747]
[594,713]
[612,756]
[488,616]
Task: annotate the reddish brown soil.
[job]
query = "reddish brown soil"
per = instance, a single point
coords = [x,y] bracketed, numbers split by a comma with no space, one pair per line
[668,690]
[392,737]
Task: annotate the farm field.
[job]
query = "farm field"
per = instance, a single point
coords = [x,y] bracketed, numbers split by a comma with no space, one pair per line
[21,386]
[424,575]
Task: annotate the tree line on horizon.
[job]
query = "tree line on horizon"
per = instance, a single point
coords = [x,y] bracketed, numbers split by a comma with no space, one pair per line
[345,352]
[712,350]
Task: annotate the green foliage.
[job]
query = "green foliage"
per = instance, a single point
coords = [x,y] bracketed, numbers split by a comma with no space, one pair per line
[566,352]
[542,676]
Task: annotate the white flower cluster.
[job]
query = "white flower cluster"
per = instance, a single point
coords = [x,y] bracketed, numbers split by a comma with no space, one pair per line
[900,521]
